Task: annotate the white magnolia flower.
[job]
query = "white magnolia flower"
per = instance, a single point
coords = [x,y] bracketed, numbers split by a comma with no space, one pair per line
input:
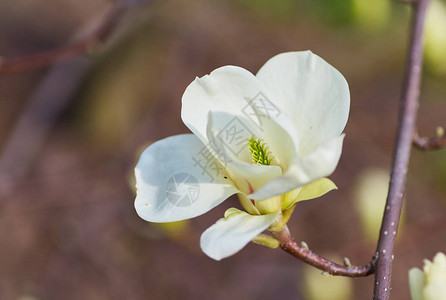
[271,139]
[430,284]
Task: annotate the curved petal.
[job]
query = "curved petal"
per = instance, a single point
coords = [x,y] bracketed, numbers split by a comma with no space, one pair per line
[314,93]
[318,164]
[229,106]
[176,179]
[316,189]
[309,191]
[231,233]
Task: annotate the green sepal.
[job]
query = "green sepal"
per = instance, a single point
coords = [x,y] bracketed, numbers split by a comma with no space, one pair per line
[266,241]
[231,212]
[286,214]
[312,190]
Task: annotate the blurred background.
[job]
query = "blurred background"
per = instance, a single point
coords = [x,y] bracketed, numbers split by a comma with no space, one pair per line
[71,133]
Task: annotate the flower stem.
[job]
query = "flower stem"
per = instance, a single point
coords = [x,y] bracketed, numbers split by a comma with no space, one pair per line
[405,133]
[288,244]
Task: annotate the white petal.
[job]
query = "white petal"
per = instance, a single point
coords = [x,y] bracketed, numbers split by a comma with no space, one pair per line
[314,94]
[231,105]
[246,176]
[230,234]
[318,164]
[176,179]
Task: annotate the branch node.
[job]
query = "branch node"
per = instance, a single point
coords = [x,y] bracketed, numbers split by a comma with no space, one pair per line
[347,262]
[436,142]
[439,131]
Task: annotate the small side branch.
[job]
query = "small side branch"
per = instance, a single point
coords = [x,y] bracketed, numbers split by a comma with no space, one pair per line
[429,143]
[288,244]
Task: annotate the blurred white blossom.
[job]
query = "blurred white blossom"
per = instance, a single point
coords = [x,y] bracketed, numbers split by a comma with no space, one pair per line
[429,284]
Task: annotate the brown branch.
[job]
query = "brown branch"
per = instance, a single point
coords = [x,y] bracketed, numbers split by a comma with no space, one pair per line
[405,133]
[44,59]
[40,60]
[429,143]
[288,244]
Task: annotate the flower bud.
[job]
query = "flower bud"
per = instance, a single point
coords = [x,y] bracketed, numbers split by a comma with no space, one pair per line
[430,284]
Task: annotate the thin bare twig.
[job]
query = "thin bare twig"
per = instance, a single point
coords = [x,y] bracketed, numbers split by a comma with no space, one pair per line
[429,143]
[49,99]
[406,130]
[44,59]
[288,244]
[40,60]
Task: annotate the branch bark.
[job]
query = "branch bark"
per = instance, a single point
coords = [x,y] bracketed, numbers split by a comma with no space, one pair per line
[288,244]
[429,143]
[406,130]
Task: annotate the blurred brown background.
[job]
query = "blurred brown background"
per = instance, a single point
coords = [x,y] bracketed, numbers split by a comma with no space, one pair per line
[71,133]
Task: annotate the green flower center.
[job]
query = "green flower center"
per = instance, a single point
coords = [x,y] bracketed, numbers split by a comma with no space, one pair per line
[259,151]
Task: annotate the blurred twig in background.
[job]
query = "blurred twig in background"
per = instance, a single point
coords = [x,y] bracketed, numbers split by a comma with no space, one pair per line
[52,96]
[99,34]
[39,116]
